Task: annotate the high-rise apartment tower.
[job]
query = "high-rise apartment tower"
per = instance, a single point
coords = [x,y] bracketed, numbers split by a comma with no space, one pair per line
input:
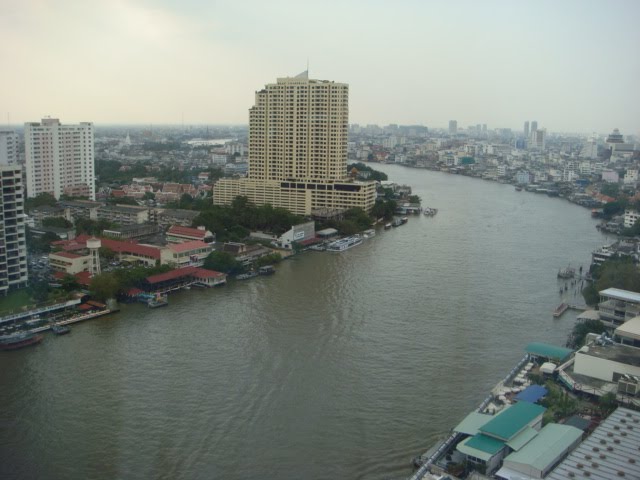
[59,159]
[298,131]
[453,127]
[8,147]
[13,243]
[526,129]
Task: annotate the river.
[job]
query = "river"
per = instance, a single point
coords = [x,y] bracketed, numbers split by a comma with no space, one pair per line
[340,366]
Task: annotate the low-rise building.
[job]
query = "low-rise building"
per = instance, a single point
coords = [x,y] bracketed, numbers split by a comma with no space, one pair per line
[184,254]
[617,306]
[124,214]
[81,208]
[70,263]
[630,217]
[131,231]
[297,233]
[167,217]
[180,234]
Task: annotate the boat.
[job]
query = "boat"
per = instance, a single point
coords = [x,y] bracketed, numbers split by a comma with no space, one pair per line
[430,212]
[369,233]
[246,276]
[404,220]
[387,226]
[158,301]
[266,270]
[566,273]
[518,188]
[344,243]
[60,329]
[560,309]
[396,222]
[19,340]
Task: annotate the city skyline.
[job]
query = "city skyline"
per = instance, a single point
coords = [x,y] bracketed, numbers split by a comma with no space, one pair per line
[573,66]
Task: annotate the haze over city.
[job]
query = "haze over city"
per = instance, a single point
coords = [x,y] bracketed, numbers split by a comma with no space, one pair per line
[573,65]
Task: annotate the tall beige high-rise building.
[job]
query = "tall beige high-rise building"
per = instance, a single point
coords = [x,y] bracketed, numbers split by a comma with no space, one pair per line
[13,241]
[298,131]
[59,159]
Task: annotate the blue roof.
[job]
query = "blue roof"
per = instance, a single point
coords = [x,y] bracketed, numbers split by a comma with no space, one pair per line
[532,394]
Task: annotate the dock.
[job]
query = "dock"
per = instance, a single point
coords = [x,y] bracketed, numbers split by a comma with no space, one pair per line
[445,445]
[73,319]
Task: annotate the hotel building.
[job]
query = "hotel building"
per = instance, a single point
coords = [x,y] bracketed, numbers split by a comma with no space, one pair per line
[298,132]
[59,159]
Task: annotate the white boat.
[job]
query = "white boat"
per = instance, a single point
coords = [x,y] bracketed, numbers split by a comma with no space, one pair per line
[344,243]
[369,233]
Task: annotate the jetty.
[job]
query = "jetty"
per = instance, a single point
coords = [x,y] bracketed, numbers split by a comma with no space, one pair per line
[435,453]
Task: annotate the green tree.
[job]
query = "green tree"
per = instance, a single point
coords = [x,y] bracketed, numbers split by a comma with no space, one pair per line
[104,286]
[581,329]
[223,262]
[610,189]
[69,283]
[149,196]
[40,200]
[270,259]
[607,404]
[107,254]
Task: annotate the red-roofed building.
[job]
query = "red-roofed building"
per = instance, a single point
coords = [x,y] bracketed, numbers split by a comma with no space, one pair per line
[179,234]
[182,277]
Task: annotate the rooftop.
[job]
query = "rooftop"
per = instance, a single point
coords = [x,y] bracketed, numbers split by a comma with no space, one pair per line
[531,394]
[619,294]
[188,246]
[616,353]
[187,231]
[630,329]
[610,452]
[66,255]
[548,444]
[510,421]
[548,351]
[472,423]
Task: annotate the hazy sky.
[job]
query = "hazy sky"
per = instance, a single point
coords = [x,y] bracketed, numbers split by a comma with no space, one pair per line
[570,65]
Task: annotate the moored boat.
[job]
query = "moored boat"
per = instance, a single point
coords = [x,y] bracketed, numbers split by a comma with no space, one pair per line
[560,309]
[19,340]
[246,276]
[344,243]
[60,329]
[429,212]
[387,226]
[158,301]
[369,233]
[266,270]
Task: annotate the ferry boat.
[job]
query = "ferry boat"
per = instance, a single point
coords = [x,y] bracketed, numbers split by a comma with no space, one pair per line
[266,270]
[19,340]
[566,273]
[60,329]
[344,243]
[158,301]
[246,276]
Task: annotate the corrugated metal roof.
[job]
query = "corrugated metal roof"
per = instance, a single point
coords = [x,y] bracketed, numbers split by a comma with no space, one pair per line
[472,423]
[548,351]
[619,294]
[522,438]
[545,449]
[464,447]
[485,444]
[511,420]
[611,451]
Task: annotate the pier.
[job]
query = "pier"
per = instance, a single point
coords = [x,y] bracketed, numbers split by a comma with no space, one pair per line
[431,460]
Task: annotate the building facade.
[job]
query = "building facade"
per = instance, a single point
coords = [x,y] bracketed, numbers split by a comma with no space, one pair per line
[8,147]
[59,158]
[298,130]
[13,243]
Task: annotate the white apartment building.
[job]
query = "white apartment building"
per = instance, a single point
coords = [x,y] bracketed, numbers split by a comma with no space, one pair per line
[298,131]
[631,177]
[8,147]
[630,217]
[59,158]
[13,243]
